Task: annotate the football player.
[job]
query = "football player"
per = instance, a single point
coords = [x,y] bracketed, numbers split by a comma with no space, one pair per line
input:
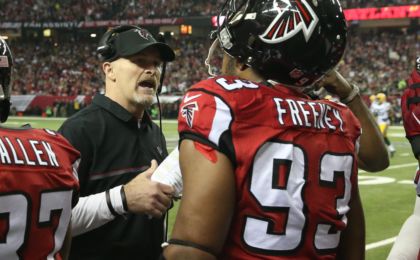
[38,183]
[382,109]
[407,245]
[372,99]
[268,172]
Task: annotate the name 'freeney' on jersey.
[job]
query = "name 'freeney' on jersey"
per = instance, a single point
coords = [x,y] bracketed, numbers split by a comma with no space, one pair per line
[16,151]
[292,111]
[308,114]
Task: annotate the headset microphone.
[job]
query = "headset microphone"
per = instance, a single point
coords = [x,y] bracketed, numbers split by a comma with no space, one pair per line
[160,38]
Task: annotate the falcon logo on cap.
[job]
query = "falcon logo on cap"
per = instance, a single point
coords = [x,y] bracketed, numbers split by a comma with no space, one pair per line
[143,33]
[292,17]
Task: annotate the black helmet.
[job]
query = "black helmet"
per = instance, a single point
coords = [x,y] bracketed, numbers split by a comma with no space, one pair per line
[294,42]
[6,64]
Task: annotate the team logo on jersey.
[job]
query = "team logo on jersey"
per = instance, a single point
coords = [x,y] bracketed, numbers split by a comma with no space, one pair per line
[187,112]
[293,17]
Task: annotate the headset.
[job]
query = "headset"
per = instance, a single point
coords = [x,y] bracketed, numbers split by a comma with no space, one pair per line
[106,48]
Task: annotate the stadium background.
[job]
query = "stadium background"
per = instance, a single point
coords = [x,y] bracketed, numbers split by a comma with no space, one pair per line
[57,73]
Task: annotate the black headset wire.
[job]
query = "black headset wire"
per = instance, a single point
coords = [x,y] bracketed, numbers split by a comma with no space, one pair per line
[161,38]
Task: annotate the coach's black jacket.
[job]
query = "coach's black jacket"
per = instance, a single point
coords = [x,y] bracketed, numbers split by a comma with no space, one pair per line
[114,148]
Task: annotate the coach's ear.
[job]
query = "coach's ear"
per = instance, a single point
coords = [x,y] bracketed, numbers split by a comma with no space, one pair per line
[108,70]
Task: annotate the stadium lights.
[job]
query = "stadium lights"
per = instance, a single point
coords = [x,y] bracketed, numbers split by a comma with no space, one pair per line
[47,32]
[93,35]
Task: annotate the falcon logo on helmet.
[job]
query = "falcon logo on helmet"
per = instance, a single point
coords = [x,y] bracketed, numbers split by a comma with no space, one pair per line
[291,19]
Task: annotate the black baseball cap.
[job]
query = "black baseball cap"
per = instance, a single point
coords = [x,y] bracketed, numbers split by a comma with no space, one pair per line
[130,42]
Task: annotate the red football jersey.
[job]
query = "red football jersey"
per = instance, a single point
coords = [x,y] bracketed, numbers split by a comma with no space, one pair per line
[294,160]
[38,188]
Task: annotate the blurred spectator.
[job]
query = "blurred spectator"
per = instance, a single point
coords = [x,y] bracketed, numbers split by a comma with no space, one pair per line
[93,10]
[377,62]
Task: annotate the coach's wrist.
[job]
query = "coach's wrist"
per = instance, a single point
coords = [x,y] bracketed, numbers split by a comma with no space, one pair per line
[116,201]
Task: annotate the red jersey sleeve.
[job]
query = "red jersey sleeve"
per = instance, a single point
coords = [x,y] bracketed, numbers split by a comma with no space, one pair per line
[205,117]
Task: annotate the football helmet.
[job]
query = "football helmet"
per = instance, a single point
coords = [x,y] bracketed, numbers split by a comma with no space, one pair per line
[381,97]
[294,42]
[372,98]
[6,65]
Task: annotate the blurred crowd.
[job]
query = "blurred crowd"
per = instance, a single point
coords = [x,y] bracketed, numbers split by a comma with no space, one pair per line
[377,62]
[93,10]
[48,68]
[381,61]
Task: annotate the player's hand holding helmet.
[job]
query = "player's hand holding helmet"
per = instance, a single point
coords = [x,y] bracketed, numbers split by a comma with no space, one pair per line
[410,106]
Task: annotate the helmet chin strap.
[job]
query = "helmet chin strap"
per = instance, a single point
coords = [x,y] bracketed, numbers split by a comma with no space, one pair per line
[210,56]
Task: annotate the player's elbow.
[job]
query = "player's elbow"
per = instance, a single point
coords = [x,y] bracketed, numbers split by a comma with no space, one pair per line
[374,165]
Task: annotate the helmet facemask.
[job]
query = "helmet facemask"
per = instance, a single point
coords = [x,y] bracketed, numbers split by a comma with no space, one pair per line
[230,15]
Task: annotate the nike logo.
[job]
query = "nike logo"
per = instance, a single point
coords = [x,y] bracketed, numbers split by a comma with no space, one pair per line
[189,98]
[418,121]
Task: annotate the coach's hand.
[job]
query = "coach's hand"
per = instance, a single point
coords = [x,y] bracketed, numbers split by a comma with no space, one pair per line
[145,196]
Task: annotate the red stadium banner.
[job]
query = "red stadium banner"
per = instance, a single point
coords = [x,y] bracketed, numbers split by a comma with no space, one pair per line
[394,12]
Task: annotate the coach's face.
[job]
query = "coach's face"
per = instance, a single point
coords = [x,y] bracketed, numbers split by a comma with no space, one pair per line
[137,77]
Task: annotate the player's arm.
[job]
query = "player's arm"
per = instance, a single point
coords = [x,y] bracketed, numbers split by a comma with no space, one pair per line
[407,244]
[207,205]
[352,242]
[373,154]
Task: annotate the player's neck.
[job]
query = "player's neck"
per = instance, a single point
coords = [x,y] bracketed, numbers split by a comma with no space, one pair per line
[249,74]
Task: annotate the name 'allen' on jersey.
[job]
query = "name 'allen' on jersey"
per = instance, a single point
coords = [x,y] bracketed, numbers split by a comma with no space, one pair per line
[18,151]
